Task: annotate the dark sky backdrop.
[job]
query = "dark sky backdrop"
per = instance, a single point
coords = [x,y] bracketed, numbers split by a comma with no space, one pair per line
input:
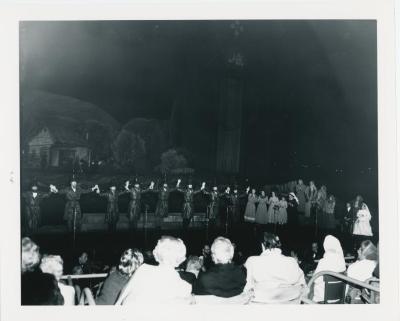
[310,90]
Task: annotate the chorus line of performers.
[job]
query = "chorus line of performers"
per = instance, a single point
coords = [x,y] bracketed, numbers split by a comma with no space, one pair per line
[313,204]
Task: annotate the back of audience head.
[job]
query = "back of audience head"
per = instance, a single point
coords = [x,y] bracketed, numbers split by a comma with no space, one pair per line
[368,251]
[128,262]
[222,250]
[52,264]
[30,256]
[270,241]
[193,264]
[170,251]
[40,289]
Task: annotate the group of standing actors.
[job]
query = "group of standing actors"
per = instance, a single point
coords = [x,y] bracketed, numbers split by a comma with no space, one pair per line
[308,202]
[73,214]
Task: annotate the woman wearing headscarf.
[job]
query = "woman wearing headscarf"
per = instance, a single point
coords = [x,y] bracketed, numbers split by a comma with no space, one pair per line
[333,260]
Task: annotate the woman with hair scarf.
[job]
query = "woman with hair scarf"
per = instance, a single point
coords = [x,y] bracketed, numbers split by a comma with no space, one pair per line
[362,228]
[333,260]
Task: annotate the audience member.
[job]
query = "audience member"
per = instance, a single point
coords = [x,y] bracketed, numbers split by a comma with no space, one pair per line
[39,288]
[223,279]
[333,260]
[193,267]
[30,256]
[54,264]
[273,277]
[161,283]
[117,279]
[362,269]
[311,257]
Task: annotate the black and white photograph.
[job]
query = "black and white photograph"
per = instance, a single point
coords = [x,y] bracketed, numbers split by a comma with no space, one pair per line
[200,162]
[227,161]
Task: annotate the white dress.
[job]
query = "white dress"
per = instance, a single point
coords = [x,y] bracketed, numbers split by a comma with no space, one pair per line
[362,225]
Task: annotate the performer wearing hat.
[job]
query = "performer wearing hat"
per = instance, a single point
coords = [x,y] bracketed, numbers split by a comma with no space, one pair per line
[187,209]
[33,199]
[134,207]
[112,213]
[72,211]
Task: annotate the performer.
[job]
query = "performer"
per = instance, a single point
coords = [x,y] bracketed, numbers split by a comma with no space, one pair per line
[328,221]
[300,193]
[250,212]
[262,209]
[273,208]
[356,206]
[320,205]
[187,209]
[33,200]
[362,227]
[213,214]
[236,218]
[293,204]
[311,197]
[72,211]
[347,223]
[112,213]
[282,212]
[162,203]
[134,207]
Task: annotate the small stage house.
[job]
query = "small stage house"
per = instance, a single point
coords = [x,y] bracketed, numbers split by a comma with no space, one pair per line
[57,146]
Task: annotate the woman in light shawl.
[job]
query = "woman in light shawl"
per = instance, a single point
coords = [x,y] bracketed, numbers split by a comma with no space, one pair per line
[333,261]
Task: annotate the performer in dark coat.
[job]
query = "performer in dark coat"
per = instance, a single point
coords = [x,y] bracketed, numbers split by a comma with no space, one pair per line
[112,213]
[187,208]
[235,201]
[162,203]
[72,211]
[134,207]
[213,207]
[33,200]
[293,204]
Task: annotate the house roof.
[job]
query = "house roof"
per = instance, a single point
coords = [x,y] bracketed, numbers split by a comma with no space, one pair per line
[65,133]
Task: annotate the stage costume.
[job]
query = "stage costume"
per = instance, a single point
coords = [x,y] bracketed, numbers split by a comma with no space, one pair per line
[328,221]
[33,209]
[250,212]
[273,210]
[187,208]
[311,197]
[135,206]
[162,205]
[262,210]
[362,225]
[300,193]
[72,206]
[112,213]
[282,214]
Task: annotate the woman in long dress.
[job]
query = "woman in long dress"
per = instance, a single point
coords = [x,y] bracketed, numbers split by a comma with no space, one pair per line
[250,212]
[262,210]
[311,197]
[273,209]
[282,216]
[362,227]
[301,196]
